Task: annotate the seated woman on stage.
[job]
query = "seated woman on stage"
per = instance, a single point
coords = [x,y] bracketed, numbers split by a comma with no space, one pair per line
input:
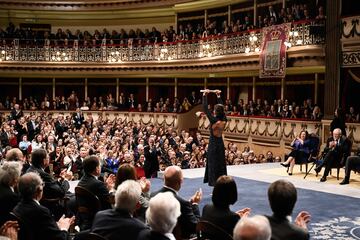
[300,152]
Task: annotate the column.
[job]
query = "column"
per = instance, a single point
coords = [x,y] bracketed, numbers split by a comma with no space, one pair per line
[205,17]
[117,89]
[147,90]
[254,88]
[86,88]
[228,88]
[316,88]
[176,23]
[284,3]
[205,83]
[332,60]
[20,88]
[255,13]
[229,15]
[53,89]
[175,87]
[282,88]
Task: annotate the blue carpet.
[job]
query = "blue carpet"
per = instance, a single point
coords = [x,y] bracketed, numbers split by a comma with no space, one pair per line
[332,216]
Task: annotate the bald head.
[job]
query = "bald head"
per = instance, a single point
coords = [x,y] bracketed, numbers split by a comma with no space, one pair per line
[252,228]
[173,177]
[337,133]
[14,154]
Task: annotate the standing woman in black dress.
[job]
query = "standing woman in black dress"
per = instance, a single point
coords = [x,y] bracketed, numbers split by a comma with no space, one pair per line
[215,161]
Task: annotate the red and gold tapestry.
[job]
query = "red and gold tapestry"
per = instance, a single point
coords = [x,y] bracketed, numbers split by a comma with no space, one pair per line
[273,51]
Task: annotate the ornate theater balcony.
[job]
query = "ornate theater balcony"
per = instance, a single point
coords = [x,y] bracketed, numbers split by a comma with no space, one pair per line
[233,52]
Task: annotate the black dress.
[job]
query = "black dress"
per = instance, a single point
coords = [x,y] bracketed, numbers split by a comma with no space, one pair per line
[215,163]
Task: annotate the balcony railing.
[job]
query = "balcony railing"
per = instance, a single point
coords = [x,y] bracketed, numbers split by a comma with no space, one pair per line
[236,43]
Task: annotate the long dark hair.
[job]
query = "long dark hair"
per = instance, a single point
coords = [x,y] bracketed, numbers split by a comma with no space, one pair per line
[220,112]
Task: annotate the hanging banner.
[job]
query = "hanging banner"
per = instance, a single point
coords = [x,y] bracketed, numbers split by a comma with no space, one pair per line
[273,51]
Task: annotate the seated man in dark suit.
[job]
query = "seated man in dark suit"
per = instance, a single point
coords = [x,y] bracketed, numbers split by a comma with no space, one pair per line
[252,228]
[89,181]
[190,214]
[53,189]
[9,176]
[36,218]
[352,163]
[337,148]
[119,223]
[161,216]
[282,197]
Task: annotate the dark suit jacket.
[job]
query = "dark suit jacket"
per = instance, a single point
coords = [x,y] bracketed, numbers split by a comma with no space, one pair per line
[282,229]
[32,131]
[39,221]
[4,139]
[341,151]
[190,213]
[53,188]
[8,200]
[151,235]
[224,218]
[96,187]
[117,224]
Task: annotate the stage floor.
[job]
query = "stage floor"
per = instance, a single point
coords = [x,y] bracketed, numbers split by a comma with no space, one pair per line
[334,208]
[270,172]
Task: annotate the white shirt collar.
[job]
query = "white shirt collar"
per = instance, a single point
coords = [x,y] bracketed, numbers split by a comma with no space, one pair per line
[37,202]
[176,192]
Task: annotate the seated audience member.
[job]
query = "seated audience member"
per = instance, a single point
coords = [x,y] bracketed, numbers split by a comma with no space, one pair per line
[128,172]
[337,149]
[161,216]
[15,154]
[36,217]
[252,228]
[282,198]
[300,152]
[352,163]
[9,176]
[89,181]
[53,188]
[119,222]
[173,179]
[219,213]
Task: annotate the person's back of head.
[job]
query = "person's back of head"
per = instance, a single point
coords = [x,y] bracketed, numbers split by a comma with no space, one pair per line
[30,186]
[14,154]
[37,157]
[173,177]
[125,172]
[224,192]
[163,212]
[90,164]
[282,197]
[252,228]
[10,173]
[127,196]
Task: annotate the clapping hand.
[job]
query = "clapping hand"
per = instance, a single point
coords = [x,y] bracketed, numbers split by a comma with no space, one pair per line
[245,212]
[217,92]
[145,185]
[302,219]
[196,198]
[110,181]
[206,92]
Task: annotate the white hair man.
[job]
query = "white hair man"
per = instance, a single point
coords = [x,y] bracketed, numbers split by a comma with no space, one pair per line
[119,222]
[161,216]
[9,176]
[336,152]
[252,228]
[36,217]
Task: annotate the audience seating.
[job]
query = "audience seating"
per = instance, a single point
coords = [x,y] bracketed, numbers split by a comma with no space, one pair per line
[208,230]
[88,205]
